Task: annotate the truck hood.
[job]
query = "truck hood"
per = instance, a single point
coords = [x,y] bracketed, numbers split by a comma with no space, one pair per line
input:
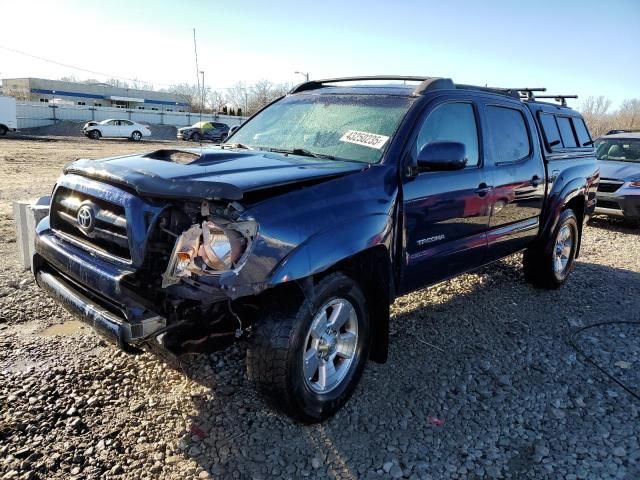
[619,170]
[212,173]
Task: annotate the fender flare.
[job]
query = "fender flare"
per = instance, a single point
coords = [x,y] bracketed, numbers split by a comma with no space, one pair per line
[558,200]
[324,249]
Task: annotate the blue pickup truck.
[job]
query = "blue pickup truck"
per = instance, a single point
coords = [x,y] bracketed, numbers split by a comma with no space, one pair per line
[298,232]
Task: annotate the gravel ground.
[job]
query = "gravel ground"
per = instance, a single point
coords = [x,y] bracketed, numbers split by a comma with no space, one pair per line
[69,128]
[481,381]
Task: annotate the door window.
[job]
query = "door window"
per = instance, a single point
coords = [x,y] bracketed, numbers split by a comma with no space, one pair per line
[509,134]
[453,122]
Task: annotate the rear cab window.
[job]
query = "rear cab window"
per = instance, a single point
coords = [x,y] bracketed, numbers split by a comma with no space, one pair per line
[563,132]
[566,132]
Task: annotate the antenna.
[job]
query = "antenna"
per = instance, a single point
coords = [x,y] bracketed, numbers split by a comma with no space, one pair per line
[195,51]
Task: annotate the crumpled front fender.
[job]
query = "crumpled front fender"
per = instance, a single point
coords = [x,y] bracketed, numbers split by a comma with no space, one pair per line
[323,250]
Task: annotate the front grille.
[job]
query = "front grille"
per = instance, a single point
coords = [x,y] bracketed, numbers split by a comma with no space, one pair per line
[608,204]
[92,221]
[609,185]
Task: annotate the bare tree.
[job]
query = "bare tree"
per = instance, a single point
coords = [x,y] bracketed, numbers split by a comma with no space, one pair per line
[216,100]
[238,96]
[600,120]
[191,94]
[628,114]
[595,113]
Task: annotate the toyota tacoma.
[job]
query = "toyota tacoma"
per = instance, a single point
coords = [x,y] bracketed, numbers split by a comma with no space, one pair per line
[298,232]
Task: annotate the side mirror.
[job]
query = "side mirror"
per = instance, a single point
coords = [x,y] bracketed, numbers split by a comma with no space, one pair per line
[442,156]
[233,129]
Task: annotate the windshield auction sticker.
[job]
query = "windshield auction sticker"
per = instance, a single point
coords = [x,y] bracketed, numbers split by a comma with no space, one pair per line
[365,139]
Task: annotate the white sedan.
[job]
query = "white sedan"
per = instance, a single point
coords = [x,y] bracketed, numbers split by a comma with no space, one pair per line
[115,128]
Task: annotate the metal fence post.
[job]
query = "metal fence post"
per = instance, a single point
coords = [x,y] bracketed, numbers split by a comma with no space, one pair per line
[53,108]
[93,112]
[161,117]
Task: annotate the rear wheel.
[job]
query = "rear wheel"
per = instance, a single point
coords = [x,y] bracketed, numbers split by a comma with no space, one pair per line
[551,269]
[308,358]
[136,136]
[95,134]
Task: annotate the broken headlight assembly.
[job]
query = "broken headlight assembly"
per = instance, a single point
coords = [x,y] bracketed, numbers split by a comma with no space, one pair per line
[214,246]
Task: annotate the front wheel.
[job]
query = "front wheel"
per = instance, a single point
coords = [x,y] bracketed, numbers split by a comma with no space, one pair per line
[136,136]
[94,135]
[3,130]
[551,269]
[196,137]
[308,357]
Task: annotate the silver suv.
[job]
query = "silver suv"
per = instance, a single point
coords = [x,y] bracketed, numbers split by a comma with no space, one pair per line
[619,191]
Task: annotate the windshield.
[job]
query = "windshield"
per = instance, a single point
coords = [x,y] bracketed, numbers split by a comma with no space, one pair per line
[618,149]
[350,127]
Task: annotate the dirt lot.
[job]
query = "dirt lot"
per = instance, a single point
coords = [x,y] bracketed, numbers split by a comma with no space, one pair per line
[481,380]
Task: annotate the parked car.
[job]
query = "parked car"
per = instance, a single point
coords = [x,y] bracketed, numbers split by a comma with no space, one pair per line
[211,131]
[8,119]
[619,190]
[116,128]
[299,234]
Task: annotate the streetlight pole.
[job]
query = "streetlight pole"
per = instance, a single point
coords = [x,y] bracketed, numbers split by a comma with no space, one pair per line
[305,74]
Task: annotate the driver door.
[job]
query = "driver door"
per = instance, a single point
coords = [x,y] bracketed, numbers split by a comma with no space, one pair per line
[446,213]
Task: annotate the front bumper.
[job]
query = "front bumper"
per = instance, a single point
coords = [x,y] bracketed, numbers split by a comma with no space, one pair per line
[619,204]
[92,289]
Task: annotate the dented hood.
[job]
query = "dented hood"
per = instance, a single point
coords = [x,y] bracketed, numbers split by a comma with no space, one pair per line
[212,173]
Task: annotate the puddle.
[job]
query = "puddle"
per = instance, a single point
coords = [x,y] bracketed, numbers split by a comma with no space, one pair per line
[64,329]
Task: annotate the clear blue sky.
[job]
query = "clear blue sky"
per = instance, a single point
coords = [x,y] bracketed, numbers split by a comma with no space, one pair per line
[584,47]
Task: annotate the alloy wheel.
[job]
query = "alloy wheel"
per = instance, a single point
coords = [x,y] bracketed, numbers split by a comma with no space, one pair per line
[330,346]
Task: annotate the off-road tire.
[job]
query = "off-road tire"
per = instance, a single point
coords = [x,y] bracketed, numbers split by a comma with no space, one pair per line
[95,134]
[275,351]
[538,264]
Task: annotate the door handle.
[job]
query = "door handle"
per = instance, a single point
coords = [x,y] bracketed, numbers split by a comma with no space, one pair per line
[536,180]
[483,189]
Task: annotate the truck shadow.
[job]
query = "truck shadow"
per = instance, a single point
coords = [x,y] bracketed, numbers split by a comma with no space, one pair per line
[472,362]
[613,224]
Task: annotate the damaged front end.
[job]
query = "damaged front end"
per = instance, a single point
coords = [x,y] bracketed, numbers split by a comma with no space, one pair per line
[194,253]
[216,245]
[146,270]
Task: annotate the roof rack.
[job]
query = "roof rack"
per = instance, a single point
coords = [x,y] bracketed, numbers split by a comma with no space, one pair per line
[426,83]
[500,91]
[559,98]
[528,93]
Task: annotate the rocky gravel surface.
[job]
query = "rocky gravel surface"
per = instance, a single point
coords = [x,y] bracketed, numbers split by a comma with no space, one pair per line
[482,382]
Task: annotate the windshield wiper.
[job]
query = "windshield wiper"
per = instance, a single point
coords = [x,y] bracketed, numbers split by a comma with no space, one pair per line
[302,152]
[236,145]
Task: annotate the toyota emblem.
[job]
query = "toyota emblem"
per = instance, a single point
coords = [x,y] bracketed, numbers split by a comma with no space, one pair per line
[85,218]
